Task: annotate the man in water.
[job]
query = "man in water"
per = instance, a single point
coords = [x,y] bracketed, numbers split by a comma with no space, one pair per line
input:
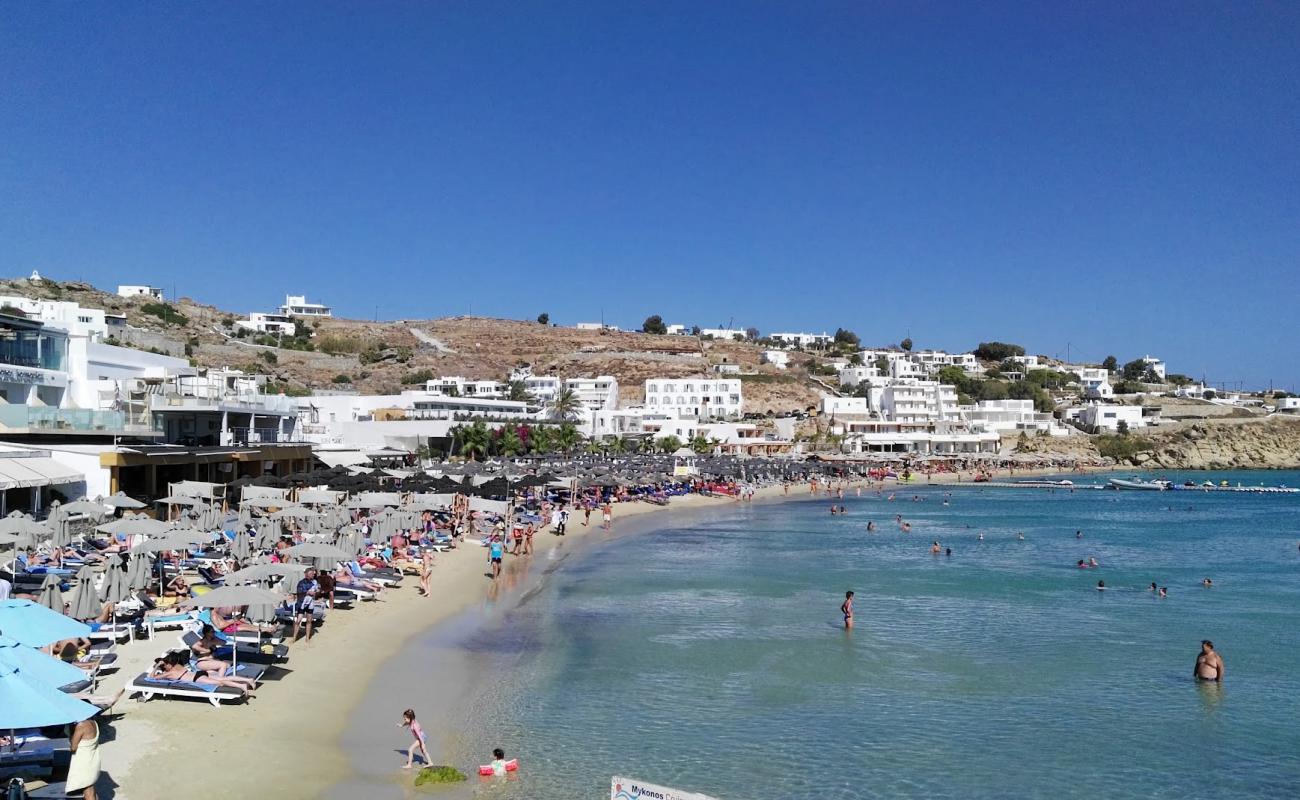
[1207,583]
[935,548]
[846,608]
[1209,664]
[1078,534]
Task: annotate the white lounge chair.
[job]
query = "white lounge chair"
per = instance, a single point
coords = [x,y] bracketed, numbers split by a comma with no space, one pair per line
[149,688]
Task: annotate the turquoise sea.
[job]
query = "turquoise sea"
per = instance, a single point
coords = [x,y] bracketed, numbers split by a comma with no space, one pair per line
[709,655]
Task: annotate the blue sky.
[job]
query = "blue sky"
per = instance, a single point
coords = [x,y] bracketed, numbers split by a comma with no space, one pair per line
[1118,178]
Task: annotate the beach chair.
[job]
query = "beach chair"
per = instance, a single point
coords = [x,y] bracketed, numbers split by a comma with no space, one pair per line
[149,688]
[266,654]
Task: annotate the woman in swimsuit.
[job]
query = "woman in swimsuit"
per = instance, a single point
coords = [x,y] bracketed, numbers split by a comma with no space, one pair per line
[175,667]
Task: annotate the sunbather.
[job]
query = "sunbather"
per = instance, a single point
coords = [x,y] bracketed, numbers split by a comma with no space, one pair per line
[228,624]
[175,667]
[344,579]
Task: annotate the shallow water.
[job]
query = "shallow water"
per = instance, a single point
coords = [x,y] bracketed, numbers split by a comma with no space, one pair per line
[710,656]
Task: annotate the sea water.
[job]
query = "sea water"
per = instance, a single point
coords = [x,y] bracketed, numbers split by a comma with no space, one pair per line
[710,655]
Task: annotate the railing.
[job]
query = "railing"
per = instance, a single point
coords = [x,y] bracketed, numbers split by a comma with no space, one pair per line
[243,437]
[70,419]
[266,403]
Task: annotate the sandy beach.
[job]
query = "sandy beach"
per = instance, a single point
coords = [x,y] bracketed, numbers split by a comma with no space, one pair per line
[288,739]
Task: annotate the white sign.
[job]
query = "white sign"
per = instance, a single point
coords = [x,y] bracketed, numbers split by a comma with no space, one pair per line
[630,789]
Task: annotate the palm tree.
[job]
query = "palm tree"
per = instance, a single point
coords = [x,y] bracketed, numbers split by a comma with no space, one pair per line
[568,437]
[595,447]
[700,444]
[565,405]
[670,444]
[510,444]
[616,445]
[474,440]
[542,439]
[629,444]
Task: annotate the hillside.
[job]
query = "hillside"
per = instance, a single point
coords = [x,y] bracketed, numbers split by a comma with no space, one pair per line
[385,357]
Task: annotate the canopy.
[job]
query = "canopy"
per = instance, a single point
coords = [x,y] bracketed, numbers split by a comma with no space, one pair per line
[27,703]
[21,473]
[231,596]
[317,550]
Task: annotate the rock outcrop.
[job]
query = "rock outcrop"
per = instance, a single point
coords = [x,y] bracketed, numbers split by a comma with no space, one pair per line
[1273,443]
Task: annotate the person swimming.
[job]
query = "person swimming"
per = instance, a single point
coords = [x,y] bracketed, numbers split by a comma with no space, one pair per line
[1207,583]
[1153,587]
[1078,534]
[1020,536]
[980,537]
[1092,562]
[1164,592]
[1101,586]
[935,548]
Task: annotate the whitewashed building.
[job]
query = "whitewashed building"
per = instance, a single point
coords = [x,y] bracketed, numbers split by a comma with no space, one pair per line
[724,333]
[148,292]
[1107,417]
[801,339]
[1095,382]
[863,437]
[296,305]
[919,401]
[1155,365]
[777,358]
[259,322]
[702,398]
[1012,416]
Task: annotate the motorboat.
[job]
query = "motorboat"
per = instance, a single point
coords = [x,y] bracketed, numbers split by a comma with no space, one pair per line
[1138,483]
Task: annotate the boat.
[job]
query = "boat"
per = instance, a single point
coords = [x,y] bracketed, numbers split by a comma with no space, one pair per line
[1138,483]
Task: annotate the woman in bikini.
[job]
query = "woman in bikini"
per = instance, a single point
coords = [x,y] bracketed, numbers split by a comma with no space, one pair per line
[175,667]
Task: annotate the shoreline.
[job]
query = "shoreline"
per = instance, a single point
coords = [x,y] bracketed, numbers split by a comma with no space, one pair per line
[298,719]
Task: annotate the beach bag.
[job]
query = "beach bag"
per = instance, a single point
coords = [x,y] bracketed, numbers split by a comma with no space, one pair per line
[15,790]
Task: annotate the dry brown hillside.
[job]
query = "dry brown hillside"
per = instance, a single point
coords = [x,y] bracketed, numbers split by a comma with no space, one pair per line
[383,357]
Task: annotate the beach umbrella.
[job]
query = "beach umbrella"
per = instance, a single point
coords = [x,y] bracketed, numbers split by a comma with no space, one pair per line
[136,576]
[135,525]
[85,604]
[38,666]
[51,595]
[268,530]
[180,500]
[120,500]
[36,626]
[27,703]
[84,506]
[58,523]
[232,596]
[265,571]
[318,550]
[115,587]
[241,548]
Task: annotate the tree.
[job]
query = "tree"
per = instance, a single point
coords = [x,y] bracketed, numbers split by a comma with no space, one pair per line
[472,440]
[565,405]
[1122,428]
[695,330]
[856,359]
[518,391]
[1135,370]
[882,365]
[567,437]
[751,334]
[654,324]
[542,439]
[1127,387]
[845,336]
[509,444]
[700,444]
[906,344]
[1178,379]
[670,444]
[997,351]
[544,318]
[993,390]
[1110,364]
[341,379]
[628,444]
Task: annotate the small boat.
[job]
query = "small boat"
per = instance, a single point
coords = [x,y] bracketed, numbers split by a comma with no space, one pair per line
[1138,483]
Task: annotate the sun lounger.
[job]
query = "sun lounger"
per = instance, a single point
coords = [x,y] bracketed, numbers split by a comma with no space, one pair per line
[162,622]
[111,631]
[266,654]
[149,688]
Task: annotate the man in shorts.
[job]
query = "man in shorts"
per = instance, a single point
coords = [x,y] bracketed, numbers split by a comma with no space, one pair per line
[304,602]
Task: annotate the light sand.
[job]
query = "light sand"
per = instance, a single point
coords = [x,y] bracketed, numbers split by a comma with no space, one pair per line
[285,741]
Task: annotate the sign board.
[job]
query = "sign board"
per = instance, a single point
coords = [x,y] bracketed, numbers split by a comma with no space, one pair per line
[621,788]
[683,471]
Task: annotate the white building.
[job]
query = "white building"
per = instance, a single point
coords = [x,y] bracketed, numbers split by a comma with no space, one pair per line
[89,323]
[1095,382]
[1288,405]
[956,439]
[725,369]
[148,292]
[1012,416]
[1107,417]
[919,402]
[595,393]
[841,407]
[724,333]
[268,323]
[702,398]
[777,358]
[677,329]
[1155,365]
[801,339]
[853,376]
[296,305]
[1028,362]
[596,326]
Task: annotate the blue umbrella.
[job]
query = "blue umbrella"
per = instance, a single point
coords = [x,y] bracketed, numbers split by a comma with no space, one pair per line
[35,625]
[27,703]
[36,665]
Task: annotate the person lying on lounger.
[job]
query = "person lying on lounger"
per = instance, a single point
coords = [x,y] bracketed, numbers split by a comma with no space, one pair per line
[175,667]
[344,579]
[228,624]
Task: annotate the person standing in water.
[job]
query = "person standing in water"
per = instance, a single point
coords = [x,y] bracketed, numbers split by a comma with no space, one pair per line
[846,608]
[1209,664]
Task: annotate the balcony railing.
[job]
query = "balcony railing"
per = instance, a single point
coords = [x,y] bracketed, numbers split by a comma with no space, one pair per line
[242,437]
[71,420]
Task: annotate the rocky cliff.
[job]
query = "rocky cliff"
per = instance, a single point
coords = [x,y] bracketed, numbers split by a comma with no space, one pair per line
[1273,443]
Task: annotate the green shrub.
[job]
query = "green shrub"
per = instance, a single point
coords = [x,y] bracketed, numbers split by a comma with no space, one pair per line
[336,344]
[165,312]
[341,379]
[1122,448]
[417,377]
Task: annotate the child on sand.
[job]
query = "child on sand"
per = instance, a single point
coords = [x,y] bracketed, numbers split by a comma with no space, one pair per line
[409,721]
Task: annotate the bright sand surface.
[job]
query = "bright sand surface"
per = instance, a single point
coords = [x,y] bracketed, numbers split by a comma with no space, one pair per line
[286,742]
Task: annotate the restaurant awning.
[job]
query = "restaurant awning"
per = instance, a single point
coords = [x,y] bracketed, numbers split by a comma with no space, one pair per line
[19,473]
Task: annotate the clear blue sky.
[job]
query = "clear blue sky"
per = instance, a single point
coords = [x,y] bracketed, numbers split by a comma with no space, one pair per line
[1123,178]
